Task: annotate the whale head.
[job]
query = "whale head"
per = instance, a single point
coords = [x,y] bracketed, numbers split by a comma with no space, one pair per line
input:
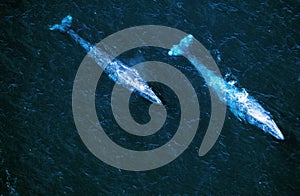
[259,117]
[272,128]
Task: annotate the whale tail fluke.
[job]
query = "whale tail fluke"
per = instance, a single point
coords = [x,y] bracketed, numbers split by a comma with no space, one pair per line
[65,25]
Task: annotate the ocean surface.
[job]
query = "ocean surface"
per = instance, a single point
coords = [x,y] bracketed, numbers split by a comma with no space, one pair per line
[41,152]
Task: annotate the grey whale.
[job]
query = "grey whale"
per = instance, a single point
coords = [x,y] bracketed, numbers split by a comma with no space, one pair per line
[240,103]
[116,70]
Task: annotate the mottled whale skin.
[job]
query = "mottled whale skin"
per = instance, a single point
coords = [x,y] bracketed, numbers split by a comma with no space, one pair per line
[240,103]
[117,71]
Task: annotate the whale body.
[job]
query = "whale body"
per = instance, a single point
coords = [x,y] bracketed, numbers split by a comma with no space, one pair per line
[116,70]
[240,103]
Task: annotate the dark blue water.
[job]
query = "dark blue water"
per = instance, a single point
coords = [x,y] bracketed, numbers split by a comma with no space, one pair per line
[258,43]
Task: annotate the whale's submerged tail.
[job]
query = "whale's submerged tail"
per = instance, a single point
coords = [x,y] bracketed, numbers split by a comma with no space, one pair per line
[65,25]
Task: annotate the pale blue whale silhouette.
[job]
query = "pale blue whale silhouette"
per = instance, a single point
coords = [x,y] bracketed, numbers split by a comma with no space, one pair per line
[241,104]
[116,70]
